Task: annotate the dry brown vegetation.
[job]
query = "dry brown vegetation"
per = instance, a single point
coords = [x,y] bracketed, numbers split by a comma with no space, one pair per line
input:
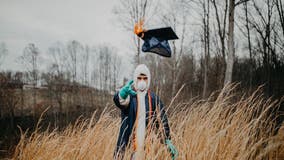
[224,128]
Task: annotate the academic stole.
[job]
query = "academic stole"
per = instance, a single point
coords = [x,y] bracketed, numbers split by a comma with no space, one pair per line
[147,145]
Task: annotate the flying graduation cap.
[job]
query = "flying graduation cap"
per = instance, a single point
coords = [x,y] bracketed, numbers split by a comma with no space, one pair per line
[156,40]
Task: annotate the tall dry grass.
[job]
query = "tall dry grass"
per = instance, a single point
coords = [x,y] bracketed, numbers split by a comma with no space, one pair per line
[225,128]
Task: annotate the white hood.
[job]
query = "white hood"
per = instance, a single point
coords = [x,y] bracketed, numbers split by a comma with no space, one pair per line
[141,68]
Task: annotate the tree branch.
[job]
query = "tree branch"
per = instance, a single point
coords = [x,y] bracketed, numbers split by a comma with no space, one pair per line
[240,2]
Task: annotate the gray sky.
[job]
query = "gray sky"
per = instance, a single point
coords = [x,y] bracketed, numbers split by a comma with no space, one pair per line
[44,22]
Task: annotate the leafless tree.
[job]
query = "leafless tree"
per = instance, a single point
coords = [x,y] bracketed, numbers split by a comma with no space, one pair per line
[280,10]
[264,24]
[279,25]
[229,11]
[116,70]
[221,20]
[206,40]
[177,19]
[248,33]
[231,42]
[30,60]
[57,70]
[74,49]
[85,58]
[3,52]
[103,69]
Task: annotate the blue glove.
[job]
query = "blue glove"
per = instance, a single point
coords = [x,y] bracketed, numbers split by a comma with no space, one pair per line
[172,149]
[126,90]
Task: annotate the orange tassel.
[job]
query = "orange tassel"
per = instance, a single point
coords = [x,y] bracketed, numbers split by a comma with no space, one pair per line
[138,28]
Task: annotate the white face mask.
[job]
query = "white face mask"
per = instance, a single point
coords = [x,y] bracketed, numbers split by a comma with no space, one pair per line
[141,85]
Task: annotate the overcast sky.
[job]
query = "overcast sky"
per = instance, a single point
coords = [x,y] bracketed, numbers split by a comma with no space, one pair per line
[43,22]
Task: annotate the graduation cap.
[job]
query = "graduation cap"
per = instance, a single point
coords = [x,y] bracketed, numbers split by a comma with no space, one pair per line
[156,40]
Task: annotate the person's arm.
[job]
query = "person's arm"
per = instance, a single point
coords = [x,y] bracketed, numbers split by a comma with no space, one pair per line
[124,102]
[120,102]
[166,129]
[122,98]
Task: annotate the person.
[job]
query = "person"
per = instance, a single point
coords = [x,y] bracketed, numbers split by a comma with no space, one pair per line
[139,108]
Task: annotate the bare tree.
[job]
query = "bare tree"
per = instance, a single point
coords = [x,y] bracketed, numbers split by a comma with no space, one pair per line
[104,74]
[206,39]
[177,19]
[249,41]
[231,44]
[221,20]
[263,24]
[30,59]
[74,50]
[116,69]
[56,79]
[280,25]
[280,11]
[3,52]
[85,65]
[229,10]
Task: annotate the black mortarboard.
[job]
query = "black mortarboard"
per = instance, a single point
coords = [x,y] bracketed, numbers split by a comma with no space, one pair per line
[156,40]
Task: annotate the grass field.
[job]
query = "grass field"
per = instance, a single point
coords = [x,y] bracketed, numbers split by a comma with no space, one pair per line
[229,127]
